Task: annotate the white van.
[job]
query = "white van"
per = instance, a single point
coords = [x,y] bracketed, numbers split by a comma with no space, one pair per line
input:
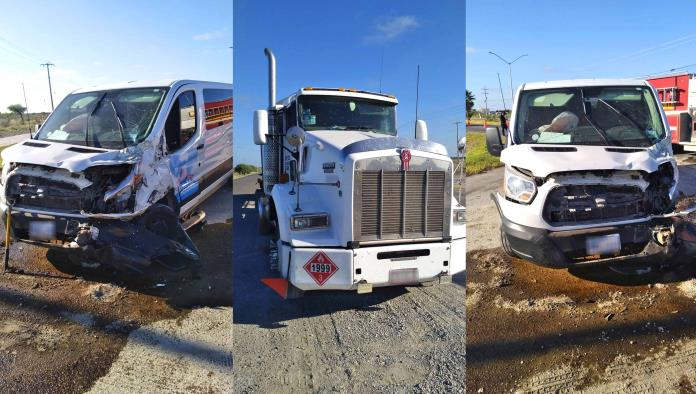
[116,172]
[589,175]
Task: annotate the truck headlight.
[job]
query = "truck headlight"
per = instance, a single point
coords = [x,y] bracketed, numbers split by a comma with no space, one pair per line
[309,221]
[459,216]
[518,186]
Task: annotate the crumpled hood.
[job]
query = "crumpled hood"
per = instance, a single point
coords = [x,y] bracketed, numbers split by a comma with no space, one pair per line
[544,161]
[73,158]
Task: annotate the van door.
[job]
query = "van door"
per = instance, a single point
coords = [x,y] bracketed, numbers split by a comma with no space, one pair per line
[216,160]
[183,145]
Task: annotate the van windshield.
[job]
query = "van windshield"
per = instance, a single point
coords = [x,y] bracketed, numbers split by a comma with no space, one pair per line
[346,113]
[111,119]
[608,116]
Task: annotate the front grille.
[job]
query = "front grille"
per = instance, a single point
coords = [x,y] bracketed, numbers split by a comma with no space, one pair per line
[576,204]
[401,204]
[43,193]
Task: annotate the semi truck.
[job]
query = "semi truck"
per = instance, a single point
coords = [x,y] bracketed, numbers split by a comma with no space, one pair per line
[348,203]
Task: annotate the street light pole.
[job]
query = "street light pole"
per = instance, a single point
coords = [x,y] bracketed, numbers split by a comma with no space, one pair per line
[512,94]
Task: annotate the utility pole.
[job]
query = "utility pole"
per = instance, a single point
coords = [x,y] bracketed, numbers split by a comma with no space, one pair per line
[417,95]
[50,89]
[485,99]
[26,107]
[501,92]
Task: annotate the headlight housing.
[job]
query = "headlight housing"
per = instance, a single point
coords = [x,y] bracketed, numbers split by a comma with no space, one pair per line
[309,221]
[459,216]
[518,186]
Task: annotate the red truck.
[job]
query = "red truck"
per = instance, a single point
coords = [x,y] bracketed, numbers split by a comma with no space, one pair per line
[677,93]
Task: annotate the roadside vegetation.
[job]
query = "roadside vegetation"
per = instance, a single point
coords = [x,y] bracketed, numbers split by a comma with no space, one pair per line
[243,169]
[19,122]
[478,159]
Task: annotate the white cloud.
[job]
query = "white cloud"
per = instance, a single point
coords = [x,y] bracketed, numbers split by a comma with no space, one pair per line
[212,35]
[470,50]
[393,27]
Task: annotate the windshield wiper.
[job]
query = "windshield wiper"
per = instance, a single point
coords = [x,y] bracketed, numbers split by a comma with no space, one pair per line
[633,122]
[599,131]
[120,124]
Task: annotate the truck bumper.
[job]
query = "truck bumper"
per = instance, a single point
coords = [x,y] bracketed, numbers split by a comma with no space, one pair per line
[377,266]
[564,249]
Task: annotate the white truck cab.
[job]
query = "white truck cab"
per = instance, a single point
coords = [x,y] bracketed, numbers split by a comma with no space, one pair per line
[116,172]
[351,204]
[589,175]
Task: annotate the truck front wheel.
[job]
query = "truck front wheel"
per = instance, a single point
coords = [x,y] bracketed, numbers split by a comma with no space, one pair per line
[265,209]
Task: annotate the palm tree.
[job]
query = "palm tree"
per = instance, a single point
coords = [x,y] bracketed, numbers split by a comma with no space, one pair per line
[470,98]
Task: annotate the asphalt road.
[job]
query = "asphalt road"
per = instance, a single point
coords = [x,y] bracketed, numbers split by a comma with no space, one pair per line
[106,332]
[533,329]
[396,339]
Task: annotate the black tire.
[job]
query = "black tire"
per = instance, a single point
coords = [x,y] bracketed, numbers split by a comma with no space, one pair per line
[506,244]
[677,148]
[161,220]
[265,211]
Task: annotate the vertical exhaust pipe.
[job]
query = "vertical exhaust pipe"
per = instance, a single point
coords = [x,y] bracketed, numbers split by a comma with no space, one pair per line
[271,78]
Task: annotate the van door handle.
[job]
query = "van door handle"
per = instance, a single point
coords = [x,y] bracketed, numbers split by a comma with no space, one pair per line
[201,146]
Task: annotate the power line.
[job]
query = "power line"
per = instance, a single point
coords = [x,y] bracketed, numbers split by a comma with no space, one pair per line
[485,97]
[50,89]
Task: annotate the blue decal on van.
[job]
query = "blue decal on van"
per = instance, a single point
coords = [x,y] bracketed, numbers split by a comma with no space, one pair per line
[183,166]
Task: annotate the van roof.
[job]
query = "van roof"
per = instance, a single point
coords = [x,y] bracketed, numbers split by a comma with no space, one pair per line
[172,83]
[574,83]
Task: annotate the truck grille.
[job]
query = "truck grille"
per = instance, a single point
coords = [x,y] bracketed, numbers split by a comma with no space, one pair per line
[401,205]
[575,204]
[43,193]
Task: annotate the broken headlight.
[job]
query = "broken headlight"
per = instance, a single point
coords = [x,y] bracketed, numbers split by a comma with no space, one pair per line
[518,186]
[122,191]
[309,222]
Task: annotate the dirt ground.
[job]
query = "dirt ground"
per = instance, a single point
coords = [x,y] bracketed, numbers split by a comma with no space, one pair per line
[62,335]
[593,330]
[396,339]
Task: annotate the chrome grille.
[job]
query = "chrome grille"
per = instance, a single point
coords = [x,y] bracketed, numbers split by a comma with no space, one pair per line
[401,204]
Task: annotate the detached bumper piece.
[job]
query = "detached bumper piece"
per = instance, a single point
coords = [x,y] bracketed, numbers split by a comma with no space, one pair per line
[127,246]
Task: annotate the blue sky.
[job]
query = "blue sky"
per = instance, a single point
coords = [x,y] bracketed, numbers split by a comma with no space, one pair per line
[95,42]
[340,44]
[574,39]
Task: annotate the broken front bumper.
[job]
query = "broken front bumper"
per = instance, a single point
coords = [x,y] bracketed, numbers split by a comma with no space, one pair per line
[567,248]
[344,269]
[121,244]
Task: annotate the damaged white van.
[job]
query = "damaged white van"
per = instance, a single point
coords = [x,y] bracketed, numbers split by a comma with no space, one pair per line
[116,173]
[589,176]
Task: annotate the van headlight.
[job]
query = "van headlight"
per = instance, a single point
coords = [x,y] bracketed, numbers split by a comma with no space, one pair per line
[518,186]
[309,221]
[459,216]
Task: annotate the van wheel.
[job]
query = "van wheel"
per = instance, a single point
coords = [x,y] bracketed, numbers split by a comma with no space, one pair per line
[506,244]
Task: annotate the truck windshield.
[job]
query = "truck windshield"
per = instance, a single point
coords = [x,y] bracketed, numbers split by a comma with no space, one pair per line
[111,119]
[610,116]
[346,113]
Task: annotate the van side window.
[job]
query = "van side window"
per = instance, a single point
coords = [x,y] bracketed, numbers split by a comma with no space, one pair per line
[181,123]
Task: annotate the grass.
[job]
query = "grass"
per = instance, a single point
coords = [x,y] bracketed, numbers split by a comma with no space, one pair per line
[479,122]
[11,124]
[478,159]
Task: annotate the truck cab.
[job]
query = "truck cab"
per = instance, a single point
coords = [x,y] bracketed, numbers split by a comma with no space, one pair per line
[590,177]
[351,204]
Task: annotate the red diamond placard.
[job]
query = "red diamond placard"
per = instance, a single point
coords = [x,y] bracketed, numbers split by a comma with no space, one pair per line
[320,268]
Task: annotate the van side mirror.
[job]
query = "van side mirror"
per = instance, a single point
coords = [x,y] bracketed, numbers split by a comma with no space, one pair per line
[260,126]
[494,142]
[421,130]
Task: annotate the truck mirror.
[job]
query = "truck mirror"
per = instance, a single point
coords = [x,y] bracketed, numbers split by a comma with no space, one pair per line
[421,130]
[260,126]
[494,142]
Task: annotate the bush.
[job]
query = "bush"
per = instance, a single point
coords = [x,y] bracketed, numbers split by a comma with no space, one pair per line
[244,169]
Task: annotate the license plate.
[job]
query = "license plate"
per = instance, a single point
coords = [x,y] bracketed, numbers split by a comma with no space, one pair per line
[403,276]
[603,244]
[42,230]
